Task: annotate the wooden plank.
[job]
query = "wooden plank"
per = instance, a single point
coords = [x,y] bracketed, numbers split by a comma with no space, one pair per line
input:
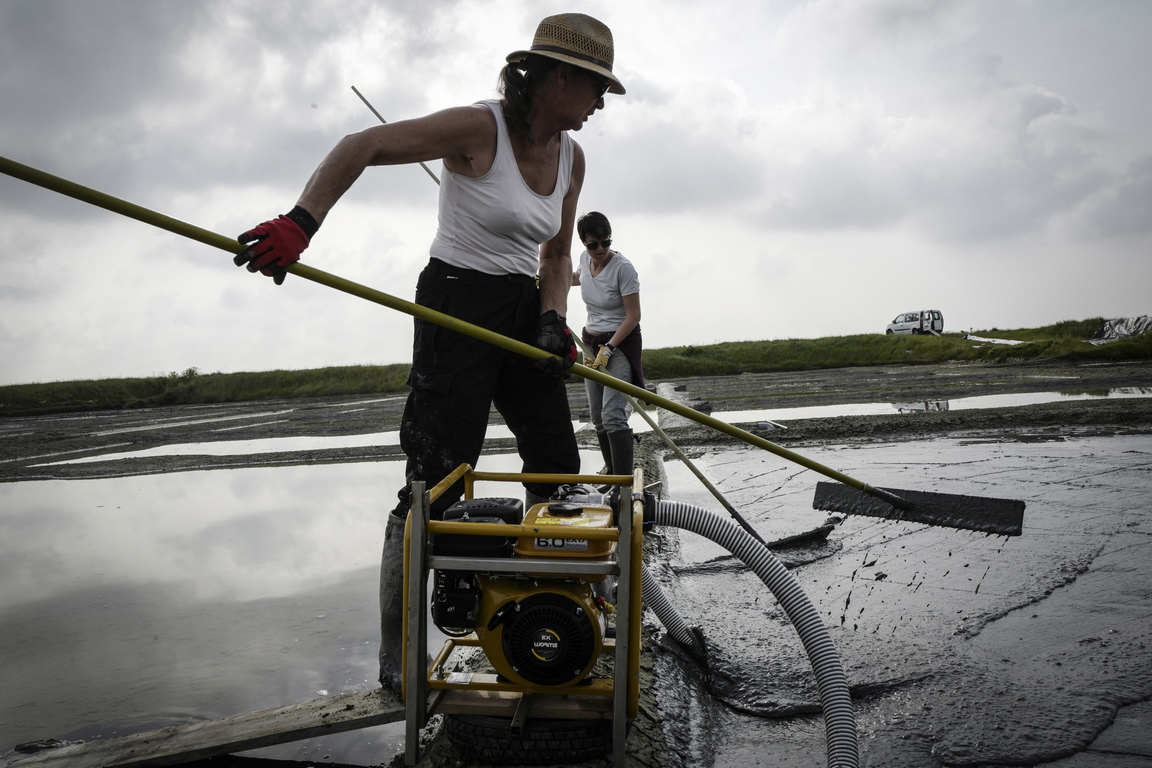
[487,681]
[264,728]
[544,705]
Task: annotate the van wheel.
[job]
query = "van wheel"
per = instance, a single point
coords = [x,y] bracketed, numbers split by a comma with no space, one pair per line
[541,742]
[889,331]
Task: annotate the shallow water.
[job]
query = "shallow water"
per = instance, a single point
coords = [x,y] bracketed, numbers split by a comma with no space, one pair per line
[500,431]
[956,404]
[135,602]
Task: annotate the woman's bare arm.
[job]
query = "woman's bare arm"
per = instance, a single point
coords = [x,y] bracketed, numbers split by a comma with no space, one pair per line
[556,254]
[464,137]
[631,319]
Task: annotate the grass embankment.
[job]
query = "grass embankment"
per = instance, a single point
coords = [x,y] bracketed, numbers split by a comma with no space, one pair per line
[193,387]
[1065,341]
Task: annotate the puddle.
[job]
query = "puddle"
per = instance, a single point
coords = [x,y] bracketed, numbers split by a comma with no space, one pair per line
[244,447]
[136,602]
[173,423]
[959,404]
[262,446]
[637,422]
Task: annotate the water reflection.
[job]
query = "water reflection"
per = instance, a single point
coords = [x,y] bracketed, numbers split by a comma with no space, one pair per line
[130,603]
[958,404]
[249,447]
[921,407]
[637,422]
[242,533]
[267,445]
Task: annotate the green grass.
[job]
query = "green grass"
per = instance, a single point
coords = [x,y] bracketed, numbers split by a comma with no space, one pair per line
[1062,341]
[194,387]
[1065,340]
[1068,330]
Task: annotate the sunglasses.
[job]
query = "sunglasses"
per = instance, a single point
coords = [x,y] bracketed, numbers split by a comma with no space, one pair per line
[592,245]
[601,83]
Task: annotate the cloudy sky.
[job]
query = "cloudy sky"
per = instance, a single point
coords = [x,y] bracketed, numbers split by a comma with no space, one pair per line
[776,170]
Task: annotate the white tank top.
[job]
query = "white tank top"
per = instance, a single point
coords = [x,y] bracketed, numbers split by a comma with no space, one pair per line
[496,223]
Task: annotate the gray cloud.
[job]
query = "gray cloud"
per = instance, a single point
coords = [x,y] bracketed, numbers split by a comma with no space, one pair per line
[72,56]
[852,129]
[157,99]
[1122,209]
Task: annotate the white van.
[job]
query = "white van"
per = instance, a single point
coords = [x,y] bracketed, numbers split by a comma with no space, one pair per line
[923,322]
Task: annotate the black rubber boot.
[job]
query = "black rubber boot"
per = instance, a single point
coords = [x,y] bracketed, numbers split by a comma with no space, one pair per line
[392,604]
[622,447]
[605,451]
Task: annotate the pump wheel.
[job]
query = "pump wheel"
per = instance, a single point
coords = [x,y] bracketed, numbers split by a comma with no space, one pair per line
[541,742]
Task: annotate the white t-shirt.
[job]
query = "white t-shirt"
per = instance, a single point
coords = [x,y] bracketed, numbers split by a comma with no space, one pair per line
[604,294]
[495,224]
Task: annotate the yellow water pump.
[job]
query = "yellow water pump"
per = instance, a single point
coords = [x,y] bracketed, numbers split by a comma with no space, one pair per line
[535,629]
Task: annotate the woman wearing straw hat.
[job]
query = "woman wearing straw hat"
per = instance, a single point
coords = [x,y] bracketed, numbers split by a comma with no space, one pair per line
[508,196]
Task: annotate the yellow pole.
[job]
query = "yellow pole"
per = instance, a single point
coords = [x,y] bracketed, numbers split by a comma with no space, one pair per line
[140,213]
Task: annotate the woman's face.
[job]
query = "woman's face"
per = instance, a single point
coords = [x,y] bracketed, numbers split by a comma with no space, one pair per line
[597,246]
[586,91]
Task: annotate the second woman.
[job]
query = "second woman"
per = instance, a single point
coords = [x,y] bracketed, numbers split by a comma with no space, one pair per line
[610,288]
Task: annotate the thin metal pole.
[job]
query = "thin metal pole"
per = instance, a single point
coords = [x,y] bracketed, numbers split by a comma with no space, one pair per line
[680,454]
[631,401]
[380,117]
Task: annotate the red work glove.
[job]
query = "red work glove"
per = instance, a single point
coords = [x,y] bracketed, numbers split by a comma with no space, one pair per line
[277,244]
[552,335]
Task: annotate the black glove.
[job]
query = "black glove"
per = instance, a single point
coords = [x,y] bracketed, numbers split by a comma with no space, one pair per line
[552,335]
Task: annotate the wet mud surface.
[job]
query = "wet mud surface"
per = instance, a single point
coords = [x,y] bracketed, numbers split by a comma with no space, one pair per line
[961,649]
[30,447]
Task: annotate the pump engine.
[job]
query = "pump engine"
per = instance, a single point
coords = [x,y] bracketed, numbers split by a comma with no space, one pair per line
[535,629]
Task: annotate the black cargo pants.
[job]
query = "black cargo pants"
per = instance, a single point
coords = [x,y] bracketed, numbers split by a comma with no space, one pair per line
[456,380]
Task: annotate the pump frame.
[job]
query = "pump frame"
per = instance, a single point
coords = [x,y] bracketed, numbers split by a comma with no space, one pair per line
[429,690]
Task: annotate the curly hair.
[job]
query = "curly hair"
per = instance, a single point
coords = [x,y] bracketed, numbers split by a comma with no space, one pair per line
[518,81]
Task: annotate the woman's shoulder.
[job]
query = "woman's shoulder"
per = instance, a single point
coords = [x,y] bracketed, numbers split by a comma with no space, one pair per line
[625,275]
[623,263]
[481,115]
[455,124]
[467,135]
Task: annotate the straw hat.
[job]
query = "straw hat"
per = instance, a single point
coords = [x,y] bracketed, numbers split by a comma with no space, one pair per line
[576,39]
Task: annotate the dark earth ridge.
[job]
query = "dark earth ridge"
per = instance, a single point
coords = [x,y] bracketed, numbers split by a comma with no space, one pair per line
[29,443]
